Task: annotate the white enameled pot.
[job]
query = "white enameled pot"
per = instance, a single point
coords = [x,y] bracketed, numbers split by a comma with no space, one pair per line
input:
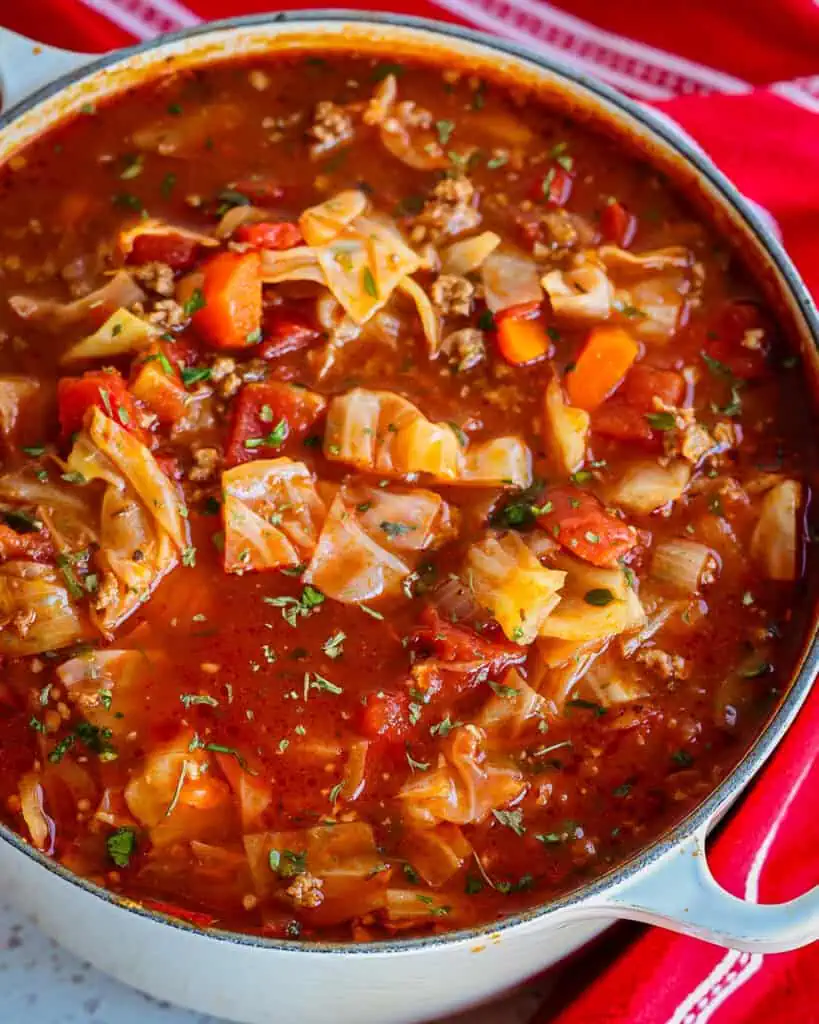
[259,981]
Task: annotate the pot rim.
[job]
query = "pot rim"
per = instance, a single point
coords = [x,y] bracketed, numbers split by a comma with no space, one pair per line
[590,897]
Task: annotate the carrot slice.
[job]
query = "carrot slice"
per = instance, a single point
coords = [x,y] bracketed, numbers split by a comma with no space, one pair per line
[601,366]
[231,314]
[522,340]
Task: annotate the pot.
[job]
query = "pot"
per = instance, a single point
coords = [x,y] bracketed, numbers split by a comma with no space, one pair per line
[254,980]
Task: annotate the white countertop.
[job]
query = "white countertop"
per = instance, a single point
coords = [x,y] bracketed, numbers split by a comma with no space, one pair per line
[40,983]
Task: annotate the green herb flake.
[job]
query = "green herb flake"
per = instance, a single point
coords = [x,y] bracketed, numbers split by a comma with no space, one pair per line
[385,68]
[194,374]
[195,302]
[134,163]
[599,597]
[444,130]
[333,646]
[661,420]
[370,287]
[274,439]
[121,845]
[511,819]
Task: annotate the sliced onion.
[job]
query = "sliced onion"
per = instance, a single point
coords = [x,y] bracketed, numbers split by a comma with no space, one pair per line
[120,291]
[163,230]
[647,486]
[583,294]
[469,254]
[40,826]
[426,311]
[680,564]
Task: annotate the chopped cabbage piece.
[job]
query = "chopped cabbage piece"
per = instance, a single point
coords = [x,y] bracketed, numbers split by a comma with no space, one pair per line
[511,583]
[272,515]
[464,787]
[775,540]
[510,279]
[36,611]
[581,294]
[321,224]
[381,432]
[469,254]
[372,539]
[647,486]
[566,430]
[121,333]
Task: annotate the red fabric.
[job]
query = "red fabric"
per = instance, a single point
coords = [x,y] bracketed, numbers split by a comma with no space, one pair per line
[736,75]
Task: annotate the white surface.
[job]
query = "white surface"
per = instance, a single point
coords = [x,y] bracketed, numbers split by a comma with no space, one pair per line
[40,983]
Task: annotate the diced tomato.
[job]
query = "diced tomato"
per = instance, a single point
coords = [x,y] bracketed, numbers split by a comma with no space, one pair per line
[191,916]
[385,715]
[449,642]
[270,235]
[617,224]
[622,422]
[169,465]
[727,341]
[580,523]
[35,546]
[645,383]
[175,250]
[103,388]
[554,187]
[259,189]
[156,381]
[258,410]
[231,314]
[286,331]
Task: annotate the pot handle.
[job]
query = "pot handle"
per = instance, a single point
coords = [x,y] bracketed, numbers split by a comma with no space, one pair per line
[26,66]
[681,894]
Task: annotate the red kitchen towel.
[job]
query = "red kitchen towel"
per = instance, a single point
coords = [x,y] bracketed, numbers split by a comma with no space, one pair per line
[742,76]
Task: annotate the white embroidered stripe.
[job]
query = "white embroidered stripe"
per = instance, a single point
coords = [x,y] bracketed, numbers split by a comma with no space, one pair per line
[734,970]
[145,19]
[644,65]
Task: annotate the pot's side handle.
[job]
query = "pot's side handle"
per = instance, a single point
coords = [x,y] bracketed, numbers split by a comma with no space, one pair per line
[681,894]
[26,65]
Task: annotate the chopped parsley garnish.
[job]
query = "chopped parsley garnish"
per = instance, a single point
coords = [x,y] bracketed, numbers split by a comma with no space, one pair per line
[420,766]
[313,681]
[371,612]
[335,792]
[444,130]
[661,420]
[486,321]
[444,727]
[599,597]
[411,874]
[65,567]
[504,691]
[286,863]
[370,287]
[197,743]
[168,185]
[276,437]
[395,529]
[134,163]
[193,374]
[511,819]
[189,699]
[294,608]
[189,557]
[195,302]
[333,646]
[121,845]
[682,758]
[587,705]
[127,201]
[34,450]
[229,198]
[499,160]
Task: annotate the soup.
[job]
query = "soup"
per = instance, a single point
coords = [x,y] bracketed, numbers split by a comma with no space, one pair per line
[402,499]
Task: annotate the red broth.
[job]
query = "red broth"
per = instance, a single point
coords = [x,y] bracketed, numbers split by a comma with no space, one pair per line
[402,495]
